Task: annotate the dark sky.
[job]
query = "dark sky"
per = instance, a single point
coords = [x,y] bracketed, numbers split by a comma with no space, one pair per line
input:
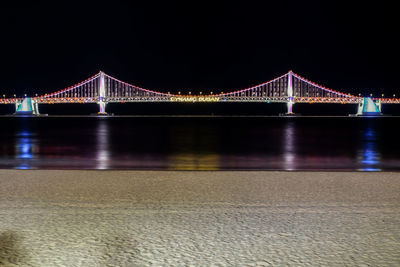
[215,45]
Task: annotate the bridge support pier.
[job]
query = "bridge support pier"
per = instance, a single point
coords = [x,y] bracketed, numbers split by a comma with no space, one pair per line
[35,107]
[369,108]
[28,106]
[379,105]
[290,107]
[17,104]
[102,108]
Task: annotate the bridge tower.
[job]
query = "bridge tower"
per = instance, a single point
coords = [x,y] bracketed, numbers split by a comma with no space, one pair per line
[290,102]
[102,95]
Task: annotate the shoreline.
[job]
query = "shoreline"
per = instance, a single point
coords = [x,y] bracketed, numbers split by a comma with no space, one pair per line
[195,116]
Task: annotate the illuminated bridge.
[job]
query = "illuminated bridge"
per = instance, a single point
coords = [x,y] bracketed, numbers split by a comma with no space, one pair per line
[289,88]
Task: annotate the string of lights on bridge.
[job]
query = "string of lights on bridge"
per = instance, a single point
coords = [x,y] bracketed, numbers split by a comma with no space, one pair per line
[276,90]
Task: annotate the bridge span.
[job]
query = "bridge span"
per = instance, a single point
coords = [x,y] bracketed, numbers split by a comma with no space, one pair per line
[289,89]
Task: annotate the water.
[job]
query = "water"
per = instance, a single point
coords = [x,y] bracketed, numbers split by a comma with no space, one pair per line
[201,143]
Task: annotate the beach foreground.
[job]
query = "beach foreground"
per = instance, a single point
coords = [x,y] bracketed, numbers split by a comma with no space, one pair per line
[168,218]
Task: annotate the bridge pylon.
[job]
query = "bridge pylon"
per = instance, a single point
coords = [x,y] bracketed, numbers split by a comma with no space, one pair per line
[102,95]
[290,102]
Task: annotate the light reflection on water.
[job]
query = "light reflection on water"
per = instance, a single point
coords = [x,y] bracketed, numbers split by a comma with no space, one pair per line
[25,148]
[289,154]
[200,144]
[192,149]
[369,156]
[102,145]
[192,161]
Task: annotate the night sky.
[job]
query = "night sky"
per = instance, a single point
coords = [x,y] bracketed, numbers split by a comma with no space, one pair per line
[199,45]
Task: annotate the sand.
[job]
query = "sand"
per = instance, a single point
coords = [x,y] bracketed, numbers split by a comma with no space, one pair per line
[157,218]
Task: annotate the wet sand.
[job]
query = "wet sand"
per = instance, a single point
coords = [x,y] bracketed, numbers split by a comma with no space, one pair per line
[152,218]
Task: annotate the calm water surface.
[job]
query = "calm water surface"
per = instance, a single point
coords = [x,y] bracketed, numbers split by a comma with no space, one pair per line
[201,143]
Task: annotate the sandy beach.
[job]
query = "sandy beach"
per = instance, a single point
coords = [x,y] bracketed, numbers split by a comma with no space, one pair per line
[167,218]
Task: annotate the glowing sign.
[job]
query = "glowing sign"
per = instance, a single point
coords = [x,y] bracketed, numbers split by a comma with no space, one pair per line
[194,99]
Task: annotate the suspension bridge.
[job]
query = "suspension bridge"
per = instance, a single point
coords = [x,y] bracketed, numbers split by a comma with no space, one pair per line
[288,89]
